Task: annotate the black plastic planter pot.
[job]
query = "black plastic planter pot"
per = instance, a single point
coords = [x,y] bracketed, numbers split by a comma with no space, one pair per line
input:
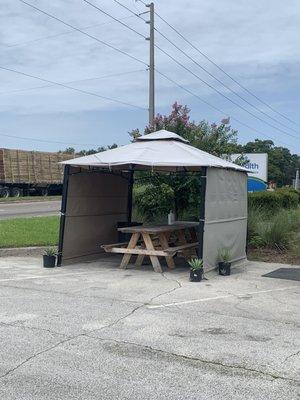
[49,261]
[196,276]
[224,268]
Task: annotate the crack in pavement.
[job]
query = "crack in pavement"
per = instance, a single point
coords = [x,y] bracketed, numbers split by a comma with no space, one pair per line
[142,305]
[197,359]
[83,334]
[36,355]
[73,294]
[33,328]
[291,355]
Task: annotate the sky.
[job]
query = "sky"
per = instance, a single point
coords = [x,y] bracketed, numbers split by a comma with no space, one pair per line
[256,42]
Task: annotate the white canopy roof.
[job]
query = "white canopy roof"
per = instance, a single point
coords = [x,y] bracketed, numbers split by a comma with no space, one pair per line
[159,150]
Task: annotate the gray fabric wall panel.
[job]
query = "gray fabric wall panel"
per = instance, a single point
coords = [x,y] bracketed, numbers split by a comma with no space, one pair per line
[225,215]
[226,194]
[97,184]
[95,203]
[86,234]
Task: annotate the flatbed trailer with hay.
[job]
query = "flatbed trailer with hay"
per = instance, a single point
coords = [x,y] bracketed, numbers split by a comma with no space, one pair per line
[25,172]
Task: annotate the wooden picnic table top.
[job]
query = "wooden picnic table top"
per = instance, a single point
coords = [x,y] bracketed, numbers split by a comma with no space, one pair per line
[155,229]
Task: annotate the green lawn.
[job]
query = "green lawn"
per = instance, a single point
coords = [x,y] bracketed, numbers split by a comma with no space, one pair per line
[24,232]
[29,198]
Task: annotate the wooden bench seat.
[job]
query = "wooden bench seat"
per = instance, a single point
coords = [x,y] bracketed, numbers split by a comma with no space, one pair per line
[173,250]
[108,247]
[140,250]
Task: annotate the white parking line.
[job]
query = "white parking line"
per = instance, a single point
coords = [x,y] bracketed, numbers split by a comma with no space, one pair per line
[179,303]
[43,276]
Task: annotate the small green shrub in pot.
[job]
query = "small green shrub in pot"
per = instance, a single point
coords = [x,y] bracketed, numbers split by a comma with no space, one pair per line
[196,271]
[224,262]
[49,257]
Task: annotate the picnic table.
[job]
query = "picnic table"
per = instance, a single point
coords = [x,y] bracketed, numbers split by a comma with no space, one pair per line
[154,241]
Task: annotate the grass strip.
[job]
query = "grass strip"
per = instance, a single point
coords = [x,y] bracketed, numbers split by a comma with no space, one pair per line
[26,232]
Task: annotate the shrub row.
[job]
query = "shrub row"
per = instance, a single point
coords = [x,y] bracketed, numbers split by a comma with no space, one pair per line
[281,198]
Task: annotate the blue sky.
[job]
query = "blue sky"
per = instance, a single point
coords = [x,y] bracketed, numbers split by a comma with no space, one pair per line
[256,42]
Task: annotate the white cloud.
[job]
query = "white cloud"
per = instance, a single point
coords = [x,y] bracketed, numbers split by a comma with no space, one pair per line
[257,41]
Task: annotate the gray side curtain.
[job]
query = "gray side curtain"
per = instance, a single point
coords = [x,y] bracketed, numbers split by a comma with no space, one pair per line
[225,215]
[96,201]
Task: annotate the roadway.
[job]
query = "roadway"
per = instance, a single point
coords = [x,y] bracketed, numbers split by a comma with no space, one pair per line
[29,209]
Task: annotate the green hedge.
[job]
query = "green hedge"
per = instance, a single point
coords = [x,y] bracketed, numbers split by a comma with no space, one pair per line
[152,201]
[281,198]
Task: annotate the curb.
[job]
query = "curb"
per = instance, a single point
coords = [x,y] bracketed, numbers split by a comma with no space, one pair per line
[27,201]
[22,251]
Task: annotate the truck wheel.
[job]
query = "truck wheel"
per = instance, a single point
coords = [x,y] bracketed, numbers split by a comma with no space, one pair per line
[43,192]
[4,192]
[16,192]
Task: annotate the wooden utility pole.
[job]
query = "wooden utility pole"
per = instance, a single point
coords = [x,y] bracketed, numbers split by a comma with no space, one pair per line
[151,65]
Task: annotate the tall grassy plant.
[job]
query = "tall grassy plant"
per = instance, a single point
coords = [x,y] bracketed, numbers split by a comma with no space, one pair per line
[276,233]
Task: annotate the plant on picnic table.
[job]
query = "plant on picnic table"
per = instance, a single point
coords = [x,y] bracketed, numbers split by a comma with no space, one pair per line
[196,264]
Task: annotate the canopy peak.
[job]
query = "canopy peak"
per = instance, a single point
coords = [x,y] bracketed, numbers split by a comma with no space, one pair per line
[162,135]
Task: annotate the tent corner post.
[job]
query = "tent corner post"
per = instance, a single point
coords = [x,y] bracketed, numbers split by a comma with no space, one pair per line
[63,214]
[129,196]
[202,192]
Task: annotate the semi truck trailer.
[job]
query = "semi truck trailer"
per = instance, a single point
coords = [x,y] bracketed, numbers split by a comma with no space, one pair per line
[25,172]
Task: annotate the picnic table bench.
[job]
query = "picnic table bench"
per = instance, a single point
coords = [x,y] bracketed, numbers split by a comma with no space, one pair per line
[154,241]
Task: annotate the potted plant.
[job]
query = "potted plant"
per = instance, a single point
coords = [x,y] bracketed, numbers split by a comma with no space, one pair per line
[224,262]
[49,257]
[196,272]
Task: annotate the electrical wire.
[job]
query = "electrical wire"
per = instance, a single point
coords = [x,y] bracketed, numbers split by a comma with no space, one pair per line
[72,88]
[60,34]
[84,33]
[47,141]
[114,18]
[222,70]
[218,80]
[216,108]
[220,93]
[227,87]
[76,81]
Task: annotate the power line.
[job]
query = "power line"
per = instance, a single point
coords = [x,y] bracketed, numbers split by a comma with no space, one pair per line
[132,12]
[60,34]
[114,18]
[211,86]
[84,33]
[226,86]
[72,88]
[216,108]
[222,70]
[76,81]
[47,141]
[219,92]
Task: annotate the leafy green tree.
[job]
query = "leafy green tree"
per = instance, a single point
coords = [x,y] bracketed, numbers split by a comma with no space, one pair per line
[183,188]
[281,163]
[213,138]
[70,150]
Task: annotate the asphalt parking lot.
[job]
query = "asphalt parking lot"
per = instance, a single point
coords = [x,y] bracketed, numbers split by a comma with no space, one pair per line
[91,331]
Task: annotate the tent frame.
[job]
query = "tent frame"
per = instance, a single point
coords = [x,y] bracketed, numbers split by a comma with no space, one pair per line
[132,168]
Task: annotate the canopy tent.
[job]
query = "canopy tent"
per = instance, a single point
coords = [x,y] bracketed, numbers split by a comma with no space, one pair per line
[159,150]
[97,194]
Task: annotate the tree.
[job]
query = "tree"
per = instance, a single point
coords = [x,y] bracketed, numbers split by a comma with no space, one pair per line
[281,163]
[212,138]
[80,153]
[68,150]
